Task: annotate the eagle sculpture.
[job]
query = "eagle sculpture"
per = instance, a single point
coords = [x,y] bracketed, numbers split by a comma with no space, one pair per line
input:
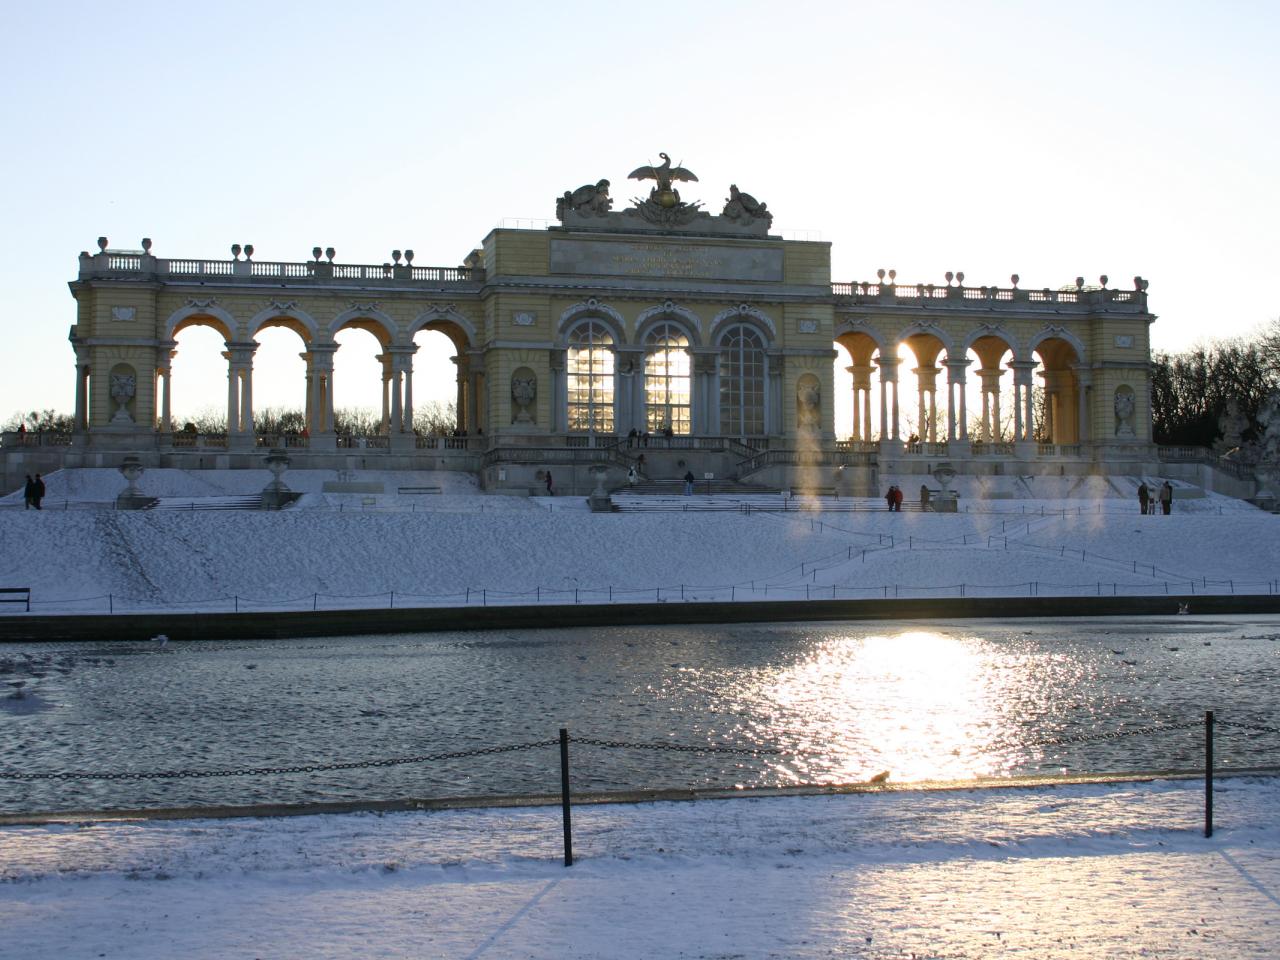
[664,173]
[663,196]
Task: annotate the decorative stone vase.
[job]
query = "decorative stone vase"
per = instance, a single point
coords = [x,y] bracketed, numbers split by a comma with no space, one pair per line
[131,498]
[276,494]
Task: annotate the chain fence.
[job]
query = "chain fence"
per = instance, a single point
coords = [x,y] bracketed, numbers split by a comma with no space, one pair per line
[564,740]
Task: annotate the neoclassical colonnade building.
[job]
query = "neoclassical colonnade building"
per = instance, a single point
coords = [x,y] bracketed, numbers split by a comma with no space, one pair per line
[723,341]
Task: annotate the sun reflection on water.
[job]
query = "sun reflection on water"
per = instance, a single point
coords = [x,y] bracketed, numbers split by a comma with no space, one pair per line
[918,704]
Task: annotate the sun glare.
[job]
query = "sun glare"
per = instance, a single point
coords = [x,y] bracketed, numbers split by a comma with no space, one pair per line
[918,704]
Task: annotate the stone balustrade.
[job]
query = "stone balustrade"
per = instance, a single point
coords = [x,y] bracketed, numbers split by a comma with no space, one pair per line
[1079,299]
[114,264]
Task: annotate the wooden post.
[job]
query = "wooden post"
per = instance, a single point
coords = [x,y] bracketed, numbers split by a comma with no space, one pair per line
[564,796]
[1208,773]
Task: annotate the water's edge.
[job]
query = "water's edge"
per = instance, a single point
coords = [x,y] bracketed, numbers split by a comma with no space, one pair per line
[21,628]
[227,812]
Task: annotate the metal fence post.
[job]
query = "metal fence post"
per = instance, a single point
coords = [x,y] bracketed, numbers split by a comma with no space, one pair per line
[564,796]
[1208,773]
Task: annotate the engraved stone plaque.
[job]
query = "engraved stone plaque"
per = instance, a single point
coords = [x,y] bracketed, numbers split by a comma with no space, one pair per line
[123,313]
[692,261]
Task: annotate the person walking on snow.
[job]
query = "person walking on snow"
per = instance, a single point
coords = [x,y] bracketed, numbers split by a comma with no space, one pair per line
[688,483]
[631,476]
[40,492]
[1166,498]
[897,498]
[1144,497]
[29,492]
[550,489]
[888,497]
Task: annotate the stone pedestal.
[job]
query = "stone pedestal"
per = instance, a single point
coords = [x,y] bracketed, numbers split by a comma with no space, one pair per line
[132,498]
[600,501]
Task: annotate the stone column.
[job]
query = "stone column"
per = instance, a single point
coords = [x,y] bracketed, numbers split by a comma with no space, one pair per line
[163,373]
[385,359]
[889,427]
[1083,385]
[476,394]
[82,395]
[246,351]
[463,365]
[628,366]
[774,409]
[1024,428]
[957,412]
[991,429]
[233,395]
[855,433]
[559,399]
[408,386]
[928,378]
[309,392]
[705,416]
[320,421]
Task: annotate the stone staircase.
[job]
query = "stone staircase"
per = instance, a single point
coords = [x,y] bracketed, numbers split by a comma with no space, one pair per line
[675,488]
[252,502]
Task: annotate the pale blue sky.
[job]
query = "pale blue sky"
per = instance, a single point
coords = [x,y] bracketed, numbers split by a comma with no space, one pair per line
[1048,140]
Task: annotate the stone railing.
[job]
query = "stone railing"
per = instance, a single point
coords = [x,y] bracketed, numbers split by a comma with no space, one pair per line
[1084,299]
[35,438]
[116,264]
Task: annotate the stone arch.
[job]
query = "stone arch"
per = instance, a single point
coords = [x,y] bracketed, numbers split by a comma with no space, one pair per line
[682,317]
[593,309]
[991,331]
[1054,333]
[926,328]
[850,328]
[207,314]
[447,320]
[366,317]
[285,315]
[742,312]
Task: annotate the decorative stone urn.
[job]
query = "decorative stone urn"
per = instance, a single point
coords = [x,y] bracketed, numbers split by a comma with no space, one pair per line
[945,500]
[599,501]
[276,494]
[132,498]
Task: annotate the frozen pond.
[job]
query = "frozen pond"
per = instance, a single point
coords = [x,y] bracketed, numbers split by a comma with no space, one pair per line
[844,702]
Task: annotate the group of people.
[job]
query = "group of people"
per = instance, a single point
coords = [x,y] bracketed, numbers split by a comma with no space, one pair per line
[33,492]
[894,498]
[636,438]
[1148,501]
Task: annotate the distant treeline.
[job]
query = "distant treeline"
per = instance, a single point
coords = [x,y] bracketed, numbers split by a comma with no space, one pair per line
[1190,391]
[435,418]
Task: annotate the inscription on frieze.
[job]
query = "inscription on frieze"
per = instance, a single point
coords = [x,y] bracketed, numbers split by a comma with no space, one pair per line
[691,261]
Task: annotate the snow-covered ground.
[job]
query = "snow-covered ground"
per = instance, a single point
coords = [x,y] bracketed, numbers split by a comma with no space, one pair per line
[1091,871]
[1074,537]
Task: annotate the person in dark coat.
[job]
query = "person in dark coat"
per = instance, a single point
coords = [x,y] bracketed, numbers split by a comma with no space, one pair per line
[688,483]
[1166,498]
[924,496]
[888,497]
[1144,497]
[29,492]
[550,489]
[40,492]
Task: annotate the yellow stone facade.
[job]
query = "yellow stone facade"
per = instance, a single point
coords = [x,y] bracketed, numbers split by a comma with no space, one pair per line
[516,311]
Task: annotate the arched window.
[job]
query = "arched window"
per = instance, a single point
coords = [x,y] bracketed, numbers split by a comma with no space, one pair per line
[742,382]
[589,378]
[666,380]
